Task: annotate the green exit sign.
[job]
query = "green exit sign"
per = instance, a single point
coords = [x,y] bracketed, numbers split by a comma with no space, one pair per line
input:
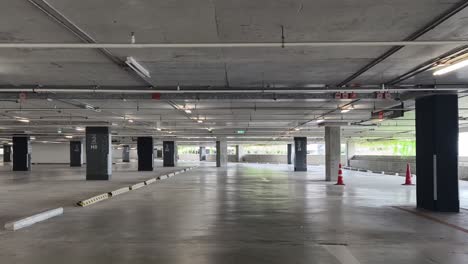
[240,131]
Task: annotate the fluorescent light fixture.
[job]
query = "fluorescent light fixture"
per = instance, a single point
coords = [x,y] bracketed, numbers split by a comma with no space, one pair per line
[320,120]
[68,136]
[137,67]
[200,121]
[158,129]
[80,129]
[32,138]
[297,129]
[345,110]
[24,120]
[188,111]
[59,131]
[453,67]
[130,120]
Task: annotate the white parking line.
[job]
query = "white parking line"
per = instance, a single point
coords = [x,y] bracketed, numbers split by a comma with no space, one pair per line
[342,254]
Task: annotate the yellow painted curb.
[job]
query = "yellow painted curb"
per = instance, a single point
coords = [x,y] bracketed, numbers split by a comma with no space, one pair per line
[93,200]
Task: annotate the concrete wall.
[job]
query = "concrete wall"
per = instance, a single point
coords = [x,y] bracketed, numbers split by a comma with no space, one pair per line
[117,154]
[212,157]
[283,159]
[259,158]
[59,153]
[396,164]
[463,168]
[53,153]
[189,157]
[390,164]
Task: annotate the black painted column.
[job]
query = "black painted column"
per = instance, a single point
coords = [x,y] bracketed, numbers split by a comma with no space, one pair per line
[76,153]
[21,153]
[126,153]
[437,152]
[202,153]
[98,153]
[300,154]
[169,154]
[290,151]
[6,153]
[145,153]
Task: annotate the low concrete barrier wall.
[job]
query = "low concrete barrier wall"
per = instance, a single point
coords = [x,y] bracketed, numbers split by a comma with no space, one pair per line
[261,158]
[212,157]
[189,157]
[463,168]
[258,158]
[282,159]
[397,164]
[389,164]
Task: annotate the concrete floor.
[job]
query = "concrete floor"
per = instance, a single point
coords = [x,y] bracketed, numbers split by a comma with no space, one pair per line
[50,186]
[249,213]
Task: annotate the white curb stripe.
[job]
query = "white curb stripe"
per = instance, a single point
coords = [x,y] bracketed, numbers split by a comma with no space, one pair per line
[119,191]
[137,186]
[150,181]
[31,220]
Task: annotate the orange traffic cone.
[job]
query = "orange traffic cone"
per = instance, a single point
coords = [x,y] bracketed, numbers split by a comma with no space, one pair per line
[340,176]
[408,175]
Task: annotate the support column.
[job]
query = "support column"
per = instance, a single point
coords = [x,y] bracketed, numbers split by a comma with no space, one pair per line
[350,151]
[221,153]
[332,152]
[76,153]
[169,154]
[159,153]
[290,152]
[6,153]
[21,153]
[98,153]
[300,154]
[437,153]
[126,153]
[145,153]
[202,153]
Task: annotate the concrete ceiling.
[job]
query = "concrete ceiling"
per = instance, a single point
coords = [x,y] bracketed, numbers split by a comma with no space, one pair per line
[219,21]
